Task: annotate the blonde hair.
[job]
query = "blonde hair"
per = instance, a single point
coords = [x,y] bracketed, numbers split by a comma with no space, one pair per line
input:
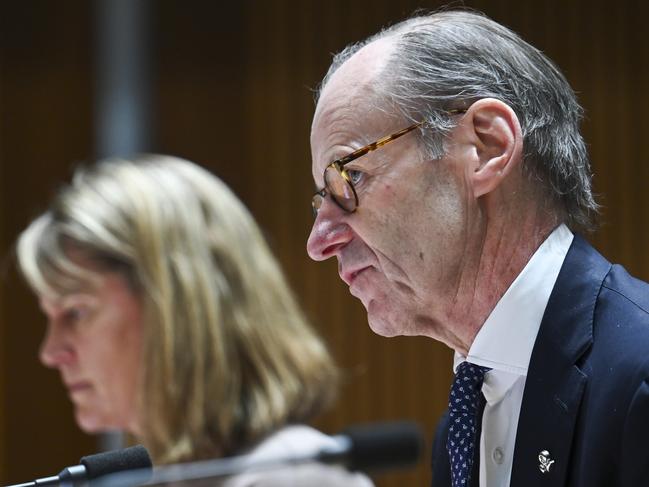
[228,354]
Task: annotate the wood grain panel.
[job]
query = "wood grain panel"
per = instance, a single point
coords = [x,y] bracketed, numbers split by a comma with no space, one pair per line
[3,238]
[233,92]
[46,126]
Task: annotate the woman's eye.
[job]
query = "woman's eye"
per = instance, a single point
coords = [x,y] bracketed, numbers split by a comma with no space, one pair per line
[355,177]
[72,315]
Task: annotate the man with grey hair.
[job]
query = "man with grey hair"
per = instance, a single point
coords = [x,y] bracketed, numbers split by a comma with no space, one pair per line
[457,224]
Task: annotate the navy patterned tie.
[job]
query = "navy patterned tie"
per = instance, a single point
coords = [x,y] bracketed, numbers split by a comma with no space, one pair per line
[464,406]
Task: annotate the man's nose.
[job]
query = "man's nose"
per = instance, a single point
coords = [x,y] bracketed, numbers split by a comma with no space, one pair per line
[56,350]
[329,233]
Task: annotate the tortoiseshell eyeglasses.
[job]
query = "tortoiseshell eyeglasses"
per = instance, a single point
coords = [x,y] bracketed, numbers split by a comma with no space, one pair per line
[337,181]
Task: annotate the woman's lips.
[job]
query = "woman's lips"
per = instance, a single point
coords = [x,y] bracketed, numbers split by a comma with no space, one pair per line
[78,387]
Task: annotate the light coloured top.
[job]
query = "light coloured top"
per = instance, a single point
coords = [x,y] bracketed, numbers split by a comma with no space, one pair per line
[505,343]
[296,440]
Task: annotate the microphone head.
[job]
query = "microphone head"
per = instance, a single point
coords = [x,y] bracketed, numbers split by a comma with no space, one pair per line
[384,445]
[135,457]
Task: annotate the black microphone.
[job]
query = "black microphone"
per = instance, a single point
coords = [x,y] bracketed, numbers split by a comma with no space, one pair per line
[375,446]
[371,447]
[94,466]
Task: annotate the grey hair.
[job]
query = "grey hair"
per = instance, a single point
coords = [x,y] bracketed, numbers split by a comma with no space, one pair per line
[449,59]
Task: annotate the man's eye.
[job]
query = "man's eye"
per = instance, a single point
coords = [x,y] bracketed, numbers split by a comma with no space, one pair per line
[355,177]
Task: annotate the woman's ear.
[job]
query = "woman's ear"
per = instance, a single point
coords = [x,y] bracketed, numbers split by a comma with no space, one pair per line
[498,139]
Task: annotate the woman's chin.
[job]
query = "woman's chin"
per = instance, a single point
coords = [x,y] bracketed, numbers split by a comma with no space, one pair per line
[93,423]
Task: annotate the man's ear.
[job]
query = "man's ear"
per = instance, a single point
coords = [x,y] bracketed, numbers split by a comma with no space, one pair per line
[498,139]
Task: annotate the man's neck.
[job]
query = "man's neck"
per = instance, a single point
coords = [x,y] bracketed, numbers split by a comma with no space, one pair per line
[500,256]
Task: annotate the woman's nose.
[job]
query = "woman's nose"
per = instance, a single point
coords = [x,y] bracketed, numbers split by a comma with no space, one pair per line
[56,350]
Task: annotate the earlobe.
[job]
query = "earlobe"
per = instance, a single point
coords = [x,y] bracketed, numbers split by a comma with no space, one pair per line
[498,143]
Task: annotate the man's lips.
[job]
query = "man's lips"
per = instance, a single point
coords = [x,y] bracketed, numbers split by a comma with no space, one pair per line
[350,275]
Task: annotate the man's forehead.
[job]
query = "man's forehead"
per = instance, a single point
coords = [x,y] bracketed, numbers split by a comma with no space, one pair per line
[346,111]
[353,80]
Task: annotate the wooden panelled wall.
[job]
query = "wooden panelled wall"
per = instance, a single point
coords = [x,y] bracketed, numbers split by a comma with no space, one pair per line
[233,93]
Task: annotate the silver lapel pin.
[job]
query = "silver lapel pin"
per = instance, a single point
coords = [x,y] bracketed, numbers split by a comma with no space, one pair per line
[545,462]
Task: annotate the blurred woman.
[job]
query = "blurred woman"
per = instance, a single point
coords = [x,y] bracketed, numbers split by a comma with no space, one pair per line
[169,317]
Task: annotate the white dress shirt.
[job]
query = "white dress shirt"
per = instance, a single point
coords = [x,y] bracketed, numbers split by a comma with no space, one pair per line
[504,343]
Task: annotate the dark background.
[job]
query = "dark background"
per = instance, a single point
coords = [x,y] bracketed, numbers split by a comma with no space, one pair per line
[231,90]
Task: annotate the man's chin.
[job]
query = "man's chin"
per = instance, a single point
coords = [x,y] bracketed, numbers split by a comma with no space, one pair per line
[378,323]
[382,330]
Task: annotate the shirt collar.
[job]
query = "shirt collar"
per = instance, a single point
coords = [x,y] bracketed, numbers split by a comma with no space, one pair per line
[505,340]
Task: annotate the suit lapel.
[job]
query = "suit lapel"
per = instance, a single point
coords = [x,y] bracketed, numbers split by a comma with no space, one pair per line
[555,383]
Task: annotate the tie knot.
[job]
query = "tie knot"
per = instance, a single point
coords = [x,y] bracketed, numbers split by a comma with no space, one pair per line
[465,390]
[469,372]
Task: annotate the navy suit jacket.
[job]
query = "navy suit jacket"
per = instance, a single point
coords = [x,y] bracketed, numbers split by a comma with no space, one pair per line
[586,398]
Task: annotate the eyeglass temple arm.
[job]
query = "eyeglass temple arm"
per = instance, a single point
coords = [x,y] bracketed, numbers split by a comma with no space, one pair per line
[375,145]
[388,138]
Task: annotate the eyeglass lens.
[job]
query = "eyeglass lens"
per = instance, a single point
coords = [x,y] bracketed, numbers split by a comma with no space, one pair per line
[340,189]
